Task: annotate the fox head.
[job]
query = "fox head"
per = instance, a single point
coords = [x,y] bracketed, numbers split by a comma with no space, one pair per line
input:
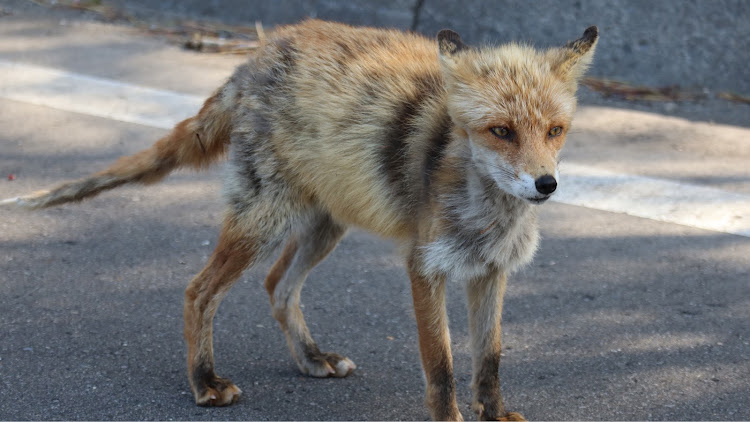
[514,106]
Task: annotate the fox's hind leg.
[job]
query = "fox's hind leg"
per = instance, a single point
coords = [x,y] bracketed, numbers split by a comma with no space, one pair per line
[240,245]
[307,246]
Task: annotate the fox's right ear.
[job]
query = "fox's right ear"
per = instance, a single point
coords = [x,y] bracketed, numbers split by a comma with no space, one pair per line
[450,44]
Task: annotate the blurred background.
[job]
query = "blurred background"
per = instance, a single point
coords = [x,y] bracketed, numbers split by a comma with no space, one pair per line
[695,43]
[687,48]
[673,57]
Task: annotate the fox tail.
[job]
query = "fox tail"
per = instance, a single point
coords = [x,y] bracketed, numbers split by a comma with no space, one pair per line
[196,142]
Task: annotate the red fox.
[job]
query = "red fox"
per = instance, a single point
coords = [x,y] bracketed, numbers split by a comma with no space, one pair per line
[444,147]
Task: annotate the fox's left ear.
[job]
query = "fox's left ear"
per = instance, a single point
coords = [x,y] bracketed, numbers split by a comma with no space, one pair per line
[571,60]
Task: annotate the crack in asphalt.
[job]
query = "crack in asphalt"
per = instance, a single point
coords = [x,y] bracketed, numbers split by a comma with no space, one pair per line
[416,14]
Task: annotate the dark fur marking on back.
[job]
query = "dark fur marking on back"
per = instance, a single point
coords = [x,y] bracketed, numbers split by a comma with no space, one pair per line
[395,148]
[260,123]
[246,158]
[436,149]
[401,129]
[251,175]
[272,76]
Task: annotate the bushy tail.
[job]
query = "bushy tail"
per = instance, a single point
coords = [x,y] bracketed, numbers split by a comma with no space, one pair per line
[196,142]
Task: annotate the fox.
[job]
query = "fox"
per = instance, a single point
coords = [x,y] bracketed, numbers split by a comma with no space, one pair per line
[447,148]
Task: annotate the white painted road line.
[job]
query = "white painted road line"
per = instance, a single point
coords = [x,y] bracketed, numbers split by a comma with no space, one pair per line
[582,185]
[95,96]
[655,199]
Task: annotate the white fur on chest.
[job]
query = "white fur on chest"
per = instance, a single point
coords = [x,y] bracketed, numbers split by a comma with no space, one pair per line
[507,247]
[484,228]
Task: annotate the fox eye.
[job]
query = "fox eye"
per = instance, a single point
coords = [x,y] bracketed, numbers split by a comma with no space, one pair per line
[555,131]
[502,132]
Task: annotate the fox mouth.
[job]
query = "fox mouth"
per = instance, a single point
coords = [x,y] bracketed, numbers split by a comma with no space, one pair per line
[538,199]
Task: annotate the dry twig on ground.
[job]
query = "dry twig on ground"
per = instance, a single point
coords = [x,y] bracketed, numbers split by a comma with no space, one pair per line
[609,87]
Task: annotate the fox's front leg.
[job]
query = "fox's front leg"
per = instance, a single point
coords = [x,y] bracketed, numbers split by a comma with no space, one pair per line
[485,301]
[434,344]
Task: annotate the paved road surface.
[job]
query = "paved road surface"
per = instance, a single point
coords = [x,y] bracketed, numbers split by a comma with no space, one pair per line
[619,317]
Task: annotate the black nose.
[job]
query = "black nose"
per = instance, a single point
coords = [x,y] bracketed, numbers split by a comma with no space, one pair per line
[546,184]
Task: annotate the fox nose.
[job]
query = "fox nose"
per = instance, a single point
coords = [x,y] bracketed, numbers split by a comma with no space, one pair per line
[546,184]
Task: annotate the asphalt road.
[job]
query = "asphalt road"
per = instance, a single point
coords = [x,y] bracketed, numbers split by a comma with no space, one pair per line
[617,318]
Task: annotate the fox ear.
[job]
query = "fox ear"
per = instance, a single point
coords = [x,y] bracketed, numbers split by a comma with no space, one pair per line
[571,60]
[450,44]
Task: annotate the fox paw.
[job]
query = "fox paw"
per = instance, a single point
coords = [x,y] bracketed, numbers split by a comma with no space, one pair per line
[217,392]
[485,415]
[322,365]
[512,416]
